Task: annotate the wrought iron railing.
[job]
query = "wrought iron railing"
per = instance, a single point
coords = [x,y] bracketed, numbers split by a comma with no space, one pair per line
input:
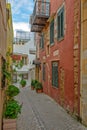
[41,8]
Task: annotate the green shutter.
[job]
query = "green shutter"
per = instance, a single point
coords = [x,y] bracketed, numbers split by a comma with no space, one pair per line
[60,20]
[52,32]
[62,23]
[59,27]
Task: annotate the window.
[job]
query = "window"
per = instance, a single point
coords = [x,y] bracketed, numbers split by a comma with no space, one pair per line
[60,20]
[55,74]
[52,32]
[42,41]
[44,71]
[25,76]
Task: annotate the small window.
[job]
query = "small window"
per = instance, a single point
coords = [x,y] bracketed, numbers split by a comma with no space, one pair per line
[25,76]
[60,20]
[55,74]
[52,32]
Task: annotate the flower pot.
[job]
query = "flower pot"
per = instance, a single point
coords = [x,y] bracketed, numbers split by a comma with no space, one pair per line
[9,124]
[23,86]
[39,90]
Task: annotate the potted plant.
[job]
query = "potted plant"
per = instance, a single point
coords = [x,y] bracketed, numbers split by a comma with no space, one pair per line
[12,108]
[23,82]
[33,83]
[38,87]
[11,111]
[12,91]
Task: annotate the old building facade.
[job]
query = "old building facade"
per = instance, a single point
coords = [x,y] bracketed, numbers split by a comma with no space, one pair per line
[9,48]
[3,31]
[83,66]
[6,45]
[62,49]
[25,49]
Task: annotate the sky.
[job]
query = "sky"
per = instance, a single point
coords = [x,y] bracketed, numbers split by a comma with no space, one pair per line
[21,11]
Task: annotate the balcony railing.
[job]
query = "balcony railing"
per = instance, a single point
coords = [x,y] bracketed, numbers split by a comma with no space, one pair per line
[41,8]
[40,14]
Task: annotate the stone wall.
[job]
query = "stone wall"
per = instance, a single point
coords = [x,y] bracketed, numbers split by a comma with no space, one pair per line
[76,57]
[83,90]
[3,30]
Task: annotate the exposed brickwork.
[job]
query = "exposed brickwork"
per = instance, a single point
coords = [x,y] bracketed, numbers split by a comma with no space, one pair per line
[76,56]
[62,82]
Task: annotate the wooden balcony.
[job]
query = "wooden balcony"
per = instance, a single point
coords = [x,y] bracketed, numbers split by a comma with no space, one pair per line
[40,15]
[36,28]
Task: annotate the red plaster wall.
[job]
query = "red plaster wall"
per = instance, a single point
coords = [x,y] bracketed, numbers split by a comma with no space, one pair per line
[65,58]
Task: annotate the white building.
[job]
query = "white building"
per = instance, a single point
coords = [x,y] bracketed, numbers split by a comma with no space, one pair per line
[26,49]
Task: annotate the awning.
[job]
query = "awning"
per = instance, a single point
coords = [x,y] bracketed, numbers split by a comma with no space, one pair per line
[36,62]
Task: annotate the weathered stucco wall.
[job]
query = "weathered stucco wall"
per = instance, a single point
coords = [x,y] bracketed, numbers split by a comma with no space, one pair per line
[3,28]
[62,52]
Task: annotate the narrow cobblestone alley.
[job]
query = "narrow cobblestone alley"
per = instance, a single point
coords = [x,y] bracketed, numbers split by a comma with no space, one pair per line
[40,112]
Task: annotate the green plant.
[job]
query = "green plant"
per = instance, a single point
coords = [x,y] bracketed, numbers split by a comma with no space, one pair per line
[5,71]
[12,91]
[23,82]
[38,86]
[19,65]
[12,109]
[34,82]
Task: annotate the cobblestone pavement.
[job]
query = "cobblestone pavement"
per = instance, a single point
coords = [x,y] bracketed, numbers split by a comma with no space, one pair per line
[40,112]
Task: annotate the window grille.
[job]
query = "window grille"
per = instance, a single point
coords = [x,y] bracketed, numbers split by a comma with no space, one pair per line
[55,74]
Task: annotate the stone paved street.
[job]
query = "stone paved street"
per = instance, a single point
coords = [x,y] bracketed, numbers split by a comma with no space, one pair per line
[40,112]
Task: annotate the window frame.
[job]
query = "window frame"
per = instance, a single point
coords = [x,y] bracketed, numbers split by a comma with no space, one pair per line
[52,32]
[54,76]
[60,23]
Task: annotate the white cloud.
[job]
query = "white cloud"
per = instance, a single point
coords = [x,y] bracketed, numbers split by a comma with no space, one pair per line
[20,26]
[16,5]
